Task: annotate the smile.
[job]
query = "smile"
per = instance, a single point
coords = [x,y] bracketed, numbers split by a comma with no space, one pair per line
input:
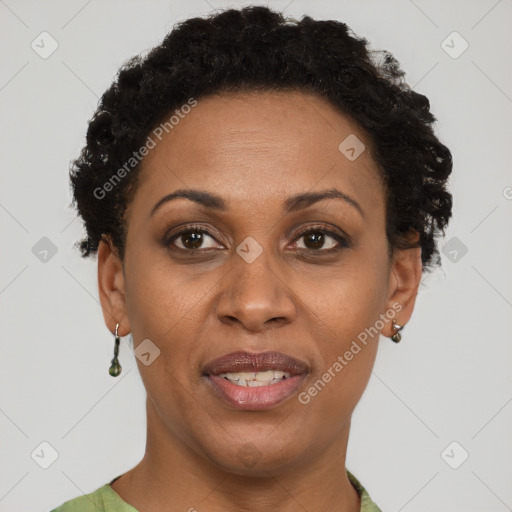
[248,381]
[255,379]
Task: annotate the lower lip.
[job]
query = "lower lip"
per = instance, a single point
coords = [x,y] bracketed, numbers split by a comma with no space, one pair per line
[256,398]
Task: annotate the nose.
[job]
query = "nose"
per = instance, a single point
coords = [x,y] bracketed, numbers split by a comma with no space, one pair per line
[255,296]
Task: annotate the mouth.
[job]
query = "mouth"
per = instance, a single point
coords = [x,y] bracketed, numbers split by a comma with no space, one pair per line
[255,381]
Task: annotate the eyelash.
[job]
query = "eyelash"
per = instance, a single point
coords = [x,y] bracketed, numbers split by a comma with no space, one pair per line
[343,242]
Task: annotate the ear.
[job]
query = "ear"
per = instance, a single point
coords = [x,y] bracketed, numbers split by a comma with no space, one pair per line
[111,288]
[404,281]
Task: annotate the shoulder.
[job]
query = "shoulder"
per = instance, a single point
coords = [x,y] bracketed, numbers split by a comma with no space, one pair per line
[103,499]
[92,502]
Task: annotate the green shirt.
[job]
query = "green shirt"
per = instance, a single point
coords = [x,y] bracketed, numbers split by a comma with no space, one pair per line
[105,499]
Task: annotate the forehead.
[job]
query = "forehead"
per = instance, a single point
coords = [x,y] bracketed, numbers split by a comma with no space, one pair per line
[259,148]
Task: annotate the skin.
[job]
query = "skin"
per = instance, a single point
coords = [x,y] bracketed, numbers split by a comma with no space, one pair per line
[254,150]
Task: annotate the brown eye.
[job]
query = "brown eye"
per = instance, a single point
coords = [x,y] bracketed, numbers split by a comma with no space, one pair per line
[191,239]
[316,240]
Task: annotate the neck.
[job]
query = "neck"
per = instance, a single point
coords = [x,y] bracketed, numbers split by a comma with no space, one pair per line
[172,476]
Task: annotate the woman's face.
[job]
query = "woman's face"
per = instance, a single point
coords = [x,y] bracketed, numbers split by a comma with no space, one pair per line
[264,276]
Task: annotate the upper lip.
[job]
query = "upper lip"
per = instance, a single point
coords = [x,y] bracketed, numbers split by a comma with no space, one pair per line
[249,362]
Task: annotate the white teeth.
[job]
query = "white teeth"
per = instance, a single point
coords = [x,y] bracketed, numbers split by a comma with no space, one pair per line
[255,379]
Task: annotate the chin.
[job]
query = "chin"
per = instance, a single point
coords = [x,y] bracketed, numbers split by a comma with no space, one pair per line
[255,458]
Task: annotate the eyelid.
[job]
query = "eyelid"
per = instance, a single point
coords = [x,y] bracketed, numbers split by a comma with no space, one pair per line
[175,233]
[335,232]
[343,239]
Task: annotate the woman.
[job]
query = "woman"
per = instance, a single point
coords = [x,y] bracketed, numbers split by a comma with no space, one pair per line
[263,196]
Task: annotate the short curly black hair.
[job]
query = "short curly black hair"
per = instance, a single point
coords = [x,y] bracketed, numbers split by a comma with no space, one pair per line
[252,49]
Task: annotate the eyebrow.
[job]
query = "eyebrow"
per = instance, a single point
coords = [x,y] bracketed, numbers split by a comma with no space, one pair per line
[292,204]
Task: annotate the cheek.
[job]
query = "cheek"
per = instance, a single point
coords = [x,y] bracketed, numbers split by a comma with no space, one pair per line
[347,322]
[352,297]
[160,297]
[346,348]
[169,307]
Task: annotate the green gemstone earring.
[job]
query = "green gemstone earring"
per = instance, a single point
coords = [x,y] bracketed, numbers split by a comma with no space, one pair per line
[397,336]
[115,367]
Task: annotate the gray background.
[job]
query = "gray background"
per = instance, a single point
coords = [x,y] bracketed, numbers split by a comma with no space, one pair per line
[448,381]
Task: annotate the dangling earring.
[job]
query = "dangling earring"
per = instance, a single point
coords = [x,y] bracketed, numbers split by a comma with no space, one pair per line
[115,367]
[397,336]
